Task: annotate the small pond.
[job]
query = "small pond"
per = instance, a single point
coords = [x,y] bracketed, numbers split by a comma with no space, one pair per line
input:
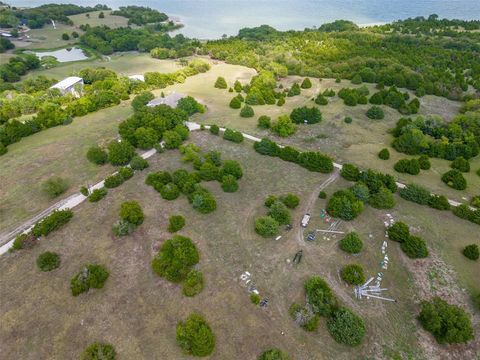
[64,55]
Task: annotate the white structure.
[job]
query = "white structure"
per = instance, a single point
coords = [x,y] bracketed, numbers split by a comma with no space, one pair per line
[170,100]
[137,78]
[305,220]
[72,85]
[6,34]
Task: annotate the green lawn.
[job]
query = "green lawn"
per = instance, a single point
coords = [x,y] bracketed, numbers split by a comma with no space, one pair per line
[112,21]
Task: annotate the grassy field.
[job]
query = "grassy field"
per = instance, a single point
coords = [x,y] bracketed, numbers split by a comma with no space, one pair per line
[123,63]
[112,21]
[137,311]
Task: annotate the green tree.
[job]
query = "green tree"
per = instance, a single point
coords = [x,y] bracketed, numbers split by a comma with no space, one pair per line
[284,127]
[247,112]
[220,83]
[273,354]
[176,223]
[351,243]
[375,113]
[471,252]
[306,83]
[346,327]
[229,183]
[99,351]
[97,155]
[132,212]
[320,296]
[280,213]
[55,186]
[48,261]
[353,274]
[235,103]
[384,154]
[195,337]
[172,140]
[120,153]
[266,226]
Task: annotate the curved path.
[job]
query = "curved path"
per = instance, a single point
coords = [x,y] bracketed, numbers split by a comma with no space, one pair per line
[6,239]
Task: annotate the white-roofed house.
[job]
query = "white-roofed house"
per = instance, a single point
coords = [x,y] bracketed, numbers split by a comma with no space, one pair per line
[71,84]
[170,100]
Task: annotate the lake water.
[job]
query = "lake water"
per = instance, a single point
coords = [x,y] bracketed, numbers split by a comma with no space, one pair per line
[64,55]
[207,19]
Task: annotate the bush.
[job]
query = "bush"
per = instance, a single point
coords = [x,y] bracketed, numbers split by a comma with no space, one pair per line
[120,153]
[125,172]
[294,90]
[247,112]
[99,351]
[48,261]
[449,324]
[290,200]
[255,298]
[91,276]
[273,354]
[407,166]
[414,247]
[384,154]
[235,103]
[306,115]
[415,193]
[322,195]
[463,211]
[346,327]
[398,232]
[138,163]
[439,202]
[203,201]
[270,200]
[97,155]
[306,83]
[84,191]
[264,122]
[175,258]
[145,138]
[321,100]
[353,274]
[232,167]
[169,191]
[383,199]
[232,135]
[320,296]
[122,228]
[350,172]
[214,129]
[172,139]
[475,201]
[131,212]
[195,337]
[52,222]
[471,251]
[347,120]
[220,83]
[344,205]
[176,223]
[280,213]
[361,191]
[54,187]
[193,283]
[424,162]
[284,127]
[266,226]
[315,161]
[229,183]
[97,194]
[454,179]
[375,113]
[351,243]
[281,101]
[113,181]
[461,164]
[266,147]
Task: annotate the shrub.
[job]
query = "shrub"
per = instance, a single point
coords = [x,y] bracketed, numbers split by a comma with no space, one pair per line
[91,276]
[125,172]
[294,90]
[97,194]
[195,337]
[384,154]
[220,83]
[255,298]
[97,155]
[266,147]
[113,181]
[321,100]
[270,200]
[383,199]
[449,324]
[280,213]
[52,222]
[350,172]
[347,120]
[461,164]
[54,187]
[48,261]
[99,351]
[351,243]
[424,162]
[475,201]
[3,149]
[232,167]
[235,103]
[145,138]
[190,106]
[273,354]
[439,202]
[122,228]
[131,212]
[24,241]
[398,232]
[229,183]
[264,122]
[266,226]
[290,200]
[454,179]
[407,166]
[320,296]
[306,115]
[169,191]
[193,283]
[214,129]
[346,327]
[463,211]
[375,113]
[414,247]
[281,101]
[138,163]
[176,223]
[322,195]
[415,193]
[84,191]
[315,161]
[361,191]
[202,201]
[343,204]
[353,274]
[172,139]
[284,127]
[306,83]
[175,258]
[120,153]
[247,112]
[232,135]
[471,251]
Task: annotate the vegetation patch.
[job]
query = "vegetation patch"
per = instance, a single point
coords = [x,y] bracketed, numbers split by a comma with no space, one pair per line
[195,337]
[48,261]
[91,276]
